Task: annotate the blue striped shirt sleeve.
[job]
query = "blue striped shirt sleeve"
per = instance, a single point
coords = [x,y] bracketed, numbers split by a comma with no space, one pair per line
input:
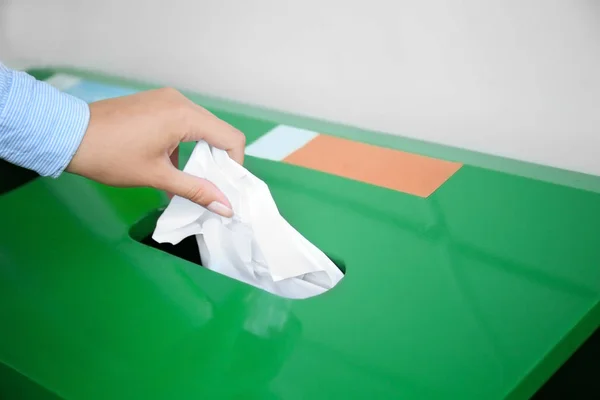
[40,127]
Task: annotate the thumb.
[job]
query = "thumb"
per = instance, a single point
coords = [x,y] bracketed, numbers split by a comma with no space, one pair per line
[198,190]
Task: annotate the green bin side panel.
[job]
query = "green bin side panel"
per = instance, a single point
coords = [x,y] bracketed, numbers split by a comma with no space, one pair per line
[480,291]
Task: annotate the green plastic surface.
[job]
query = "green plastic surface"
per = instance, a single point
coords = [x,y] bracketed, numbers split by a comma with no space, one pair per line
[480,291]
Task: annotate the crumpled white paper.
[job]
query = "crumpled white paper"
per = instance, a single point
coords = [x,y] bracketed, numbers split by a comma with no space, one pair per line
[257,245]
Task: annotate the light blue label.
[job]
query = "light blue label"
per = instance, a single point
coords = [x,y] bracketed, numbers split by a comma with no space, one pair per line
[91,91]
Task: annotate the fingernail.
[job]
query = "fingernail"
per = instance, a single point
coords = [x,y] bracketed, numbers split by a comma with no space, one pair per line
[221,209]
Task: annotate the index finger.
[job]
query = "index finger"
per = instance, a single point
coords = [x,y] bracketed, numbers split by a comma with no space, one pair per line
[216,132]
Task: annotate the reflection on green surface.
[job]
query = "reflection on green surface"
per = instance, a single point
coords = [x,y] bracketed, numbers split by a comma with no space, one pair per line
[479,291]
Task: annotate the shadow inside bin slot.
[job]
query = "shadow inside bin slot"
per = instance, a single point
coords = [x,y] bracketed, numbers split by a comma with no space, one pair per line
[187,249]
[13,177]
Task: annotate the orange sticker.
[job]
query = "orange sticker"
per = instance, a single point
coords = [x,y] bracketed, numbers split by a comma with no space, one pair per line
[392,169]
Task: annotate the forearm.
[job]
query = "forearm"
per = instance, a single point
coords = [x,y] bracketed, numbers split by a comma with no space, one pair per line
[40,127]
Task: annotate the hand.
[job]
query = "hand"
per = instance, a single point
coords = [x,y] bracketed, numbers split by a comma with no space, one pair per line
[133,141]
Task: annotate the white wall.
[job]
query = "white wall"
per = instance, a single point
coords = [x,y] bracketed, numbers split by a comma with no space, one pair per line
[514,78]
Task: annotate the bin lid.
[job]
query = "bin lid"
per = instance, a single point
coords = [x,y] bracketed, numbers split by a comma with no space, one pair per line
[480,288]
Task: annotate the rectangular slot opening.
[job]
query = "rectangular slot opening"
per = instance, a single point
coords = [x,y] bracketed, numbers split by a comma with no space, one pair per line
[187,249]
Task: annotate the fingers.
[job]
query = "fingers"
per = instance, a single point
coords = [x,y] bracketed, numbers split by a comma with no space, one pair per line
[216,132]
[198,190]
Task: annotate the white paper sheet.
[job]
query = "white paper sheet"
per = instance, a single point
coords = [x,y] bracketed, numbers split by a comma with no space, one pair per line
[257,245]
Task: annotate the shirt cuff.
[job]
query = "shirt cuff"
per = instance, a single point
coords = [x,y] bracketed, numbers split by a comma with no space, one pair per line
[41,126]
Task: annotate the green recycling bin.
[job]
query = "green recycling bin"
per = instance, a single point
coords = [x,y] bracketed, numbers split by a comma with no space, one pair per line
[466,276]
